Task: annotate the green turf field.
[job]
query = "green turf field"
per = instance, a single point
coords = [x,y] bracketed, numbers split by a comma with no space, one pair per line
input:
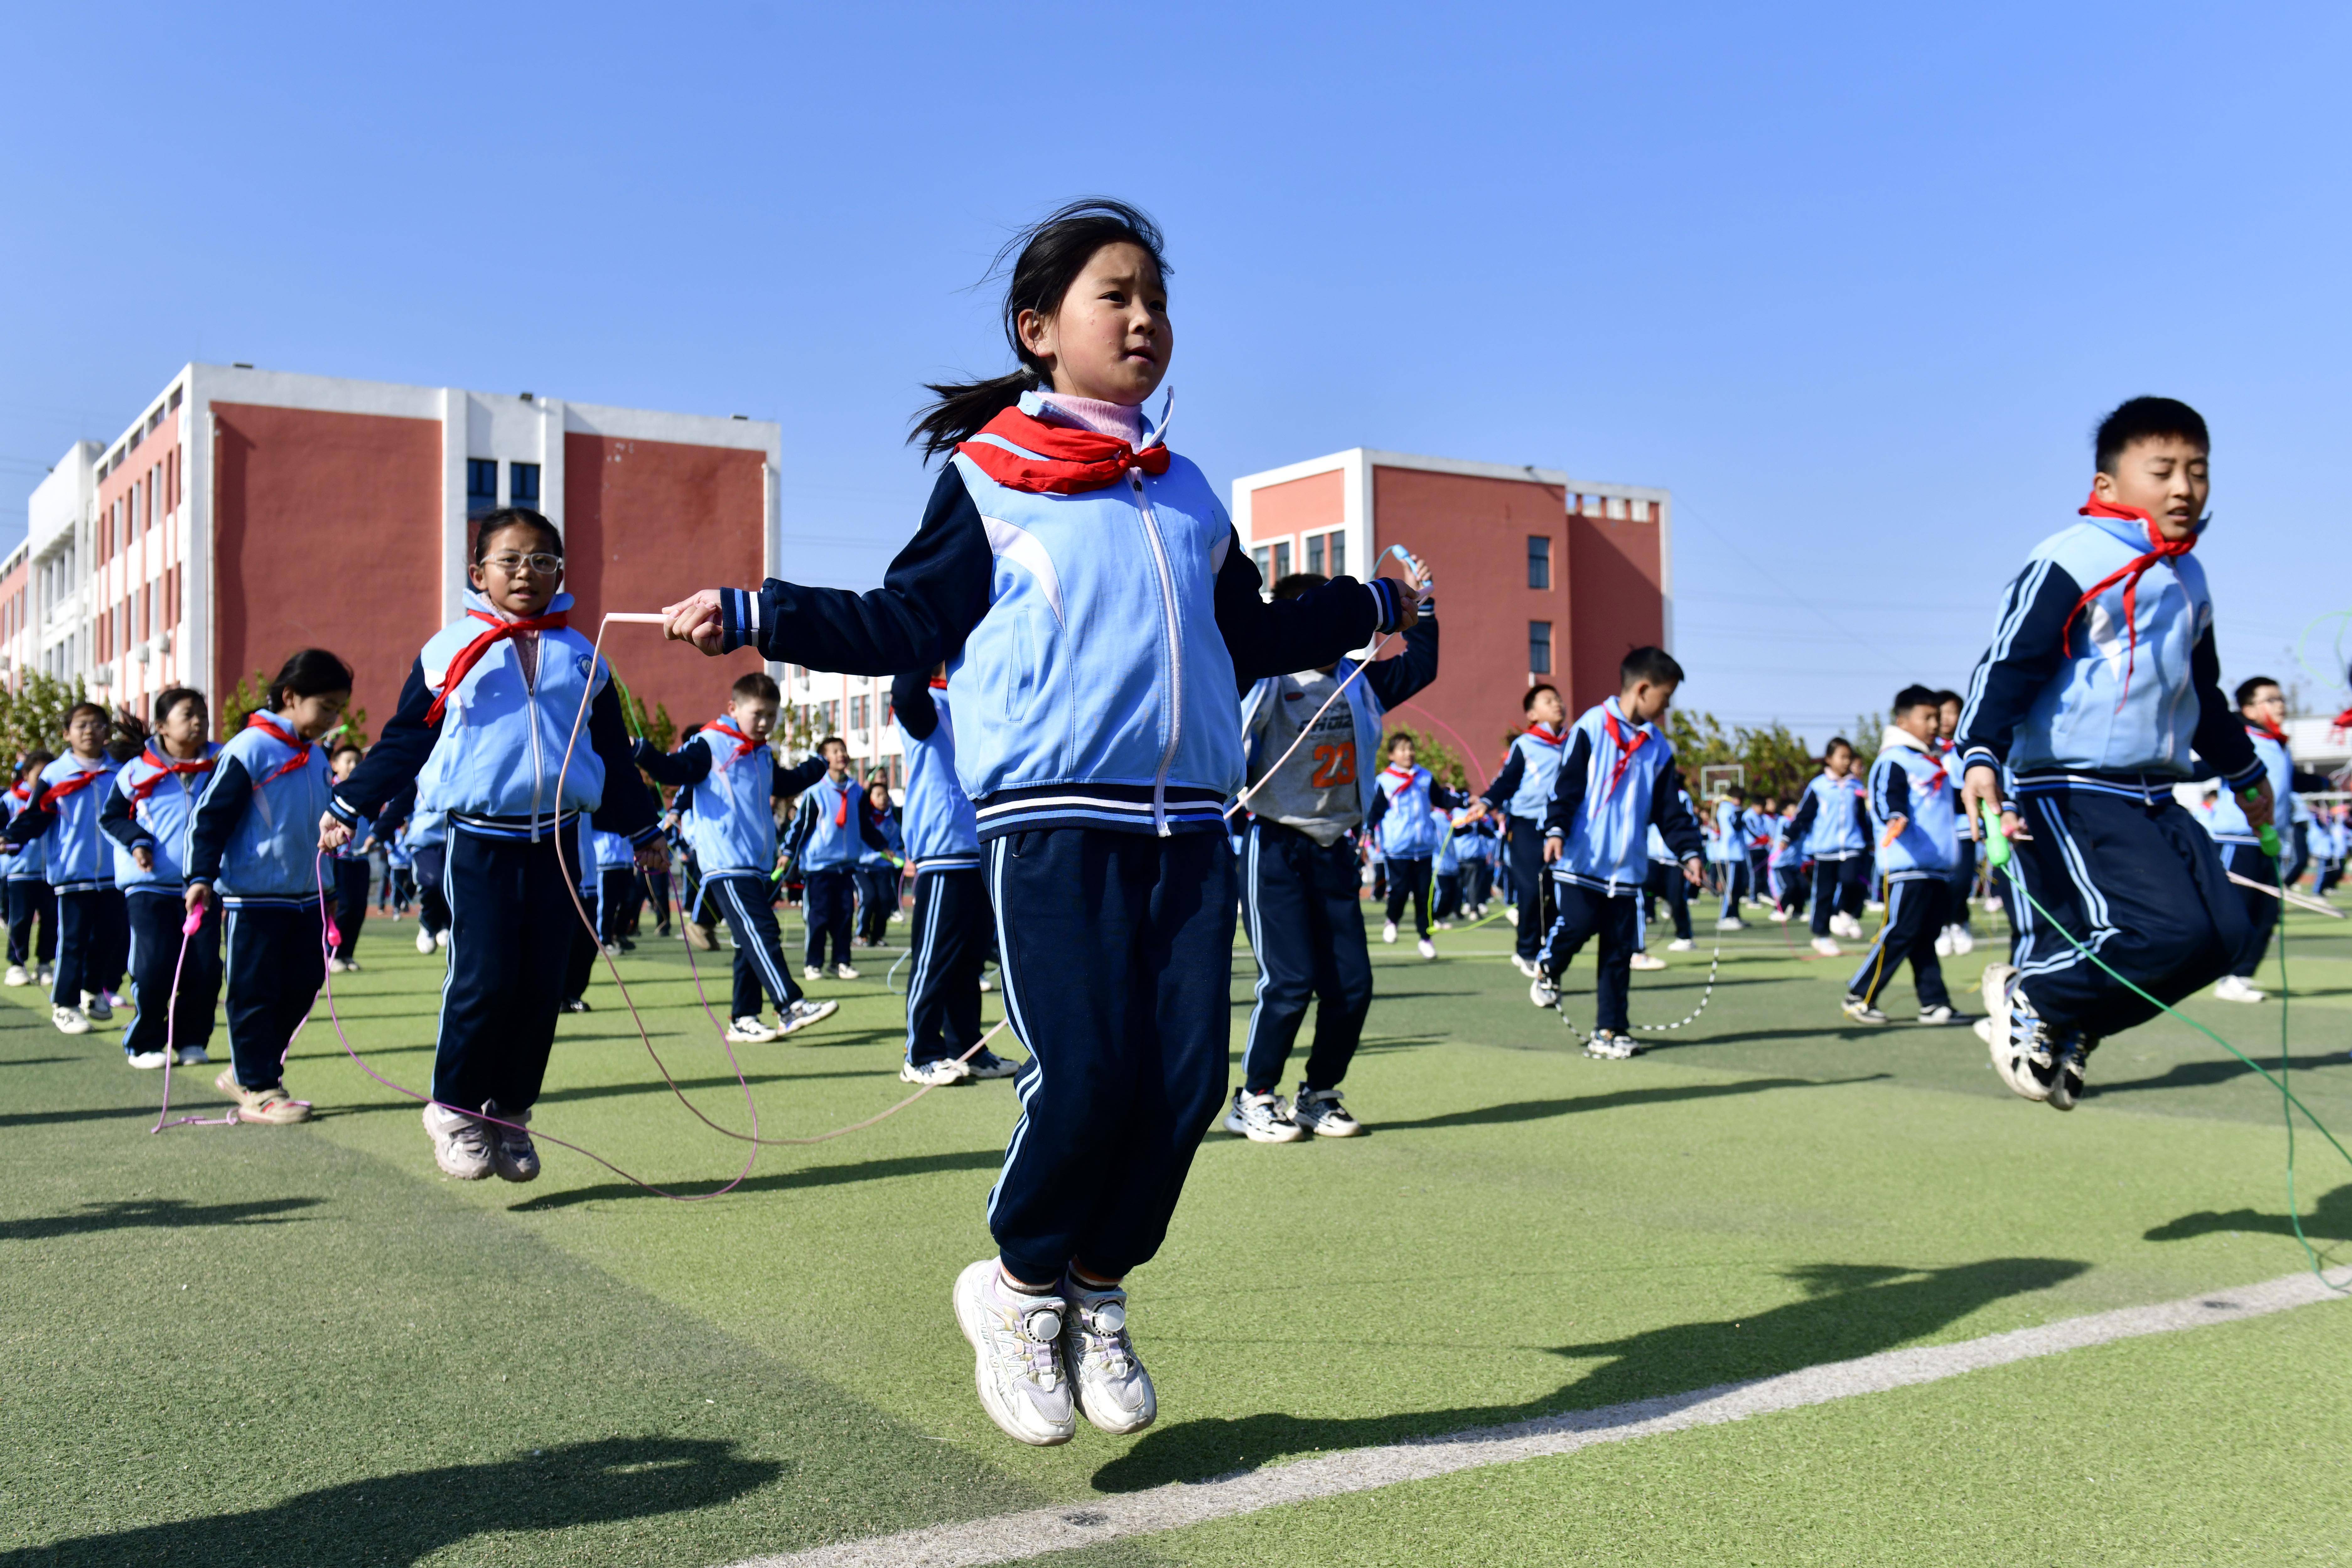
[302,1346]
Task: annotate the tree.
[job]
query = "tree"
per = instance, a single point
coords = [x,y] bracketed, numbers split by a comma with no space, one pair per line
[1445,763]
[251,697]
[33,717]
[1773,760]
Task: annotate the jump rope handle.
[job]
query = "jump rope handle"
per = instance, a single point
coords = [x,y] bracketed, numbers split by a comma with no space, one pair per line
[193,923]
[2269,835]
[1997,845]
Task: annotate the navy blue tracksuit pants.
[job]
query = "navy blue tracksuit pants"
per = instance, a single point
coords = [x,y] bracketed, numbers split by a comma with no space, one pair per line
[2138,881]
[1917,909]
[512,927]
[2262,910]
[432,889]
[154,919]
[612,886]
[741,900]
[1306,926]
[92,943]
[1531,886]
[1616,918]
[828,899]
[1839,887]
[1117,968]
[276,962]
[29,897]
[351,891]
[951,928]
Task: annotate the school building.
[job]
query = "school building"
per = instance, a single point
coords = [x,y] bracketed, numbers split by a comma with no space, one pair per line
[245,513]
[1540,577]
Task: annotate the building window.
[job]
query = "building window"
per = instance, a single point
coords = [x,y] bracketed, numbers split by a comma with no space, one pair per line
[1282,560]
[522,484]
[1539,647]
[1315,554]
[857,713]
[1264,559]
[481,486]
[1617,507]
[1339,555]
[1539,562]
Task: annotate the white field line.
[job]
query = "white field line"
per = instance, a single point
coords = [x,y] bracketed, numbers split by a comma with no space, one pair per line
[1009,1537]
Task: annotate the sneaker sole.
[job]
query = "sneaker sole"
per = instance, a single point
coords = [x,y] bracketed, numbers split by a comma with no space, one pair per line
[509,1171]
[1276,1136]
[1115,1428]
[823,1011]
[1321,1131]
[980,1378]
[1993,1029]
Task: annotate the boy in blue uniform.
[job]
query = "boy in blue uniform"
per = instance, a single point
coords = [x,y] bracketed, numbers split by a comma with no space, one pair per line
[1665,880]
[1831,824]
[2263,705]
[1911,808]
[952,917]
[728,781]
[1616,781]
[93,938]
[1404,822]
[2101,675]
[828,836]
[351,871]
[30,897]
[1731,846]
[151,814]
[1521,792]
[879,865]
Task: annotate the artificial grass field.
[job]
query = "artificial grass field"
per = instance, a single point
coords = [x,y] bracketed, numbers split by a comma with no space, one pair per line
[302,1346]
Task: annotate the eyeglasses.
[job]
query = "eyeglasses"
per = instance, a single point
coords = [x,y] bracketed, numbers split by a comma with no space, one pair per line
[542,564]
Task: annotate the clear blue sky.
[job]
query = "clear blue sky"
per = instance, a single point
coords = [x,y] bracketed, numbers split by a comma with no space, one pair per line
[1853,282]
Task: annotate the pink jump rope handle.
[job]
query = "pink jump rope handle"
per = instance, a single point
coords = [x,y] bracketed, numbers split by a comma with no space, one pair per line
[334,934]
[193,923]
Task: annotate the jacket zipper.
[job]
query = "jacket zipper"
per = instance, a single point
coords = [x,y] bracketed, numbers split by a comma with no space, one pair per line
[530,716]
[1175,655]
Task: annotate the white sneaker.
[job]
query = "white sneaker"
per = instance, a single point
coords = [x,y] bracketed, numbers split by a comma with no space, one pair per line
[612,949]
[1731,922]
[987,983]
[2233,989]
[803,1013]
[513,1154]
[812,972]
[1944,942]
[747,1031]
[441,939]
[1991,906]
[1524,966]
[1682,945]
[47,977]
[1780,918]
[1872,906]
[1827,947]
[1861,1012]
[1388,932]
[1542,990]
[1648,961]
[1511,913]
[423,942]
[1111,1387]
[70,1020]
[461,1144]
[935,1074]
[1963,940]
[2016,1040]
[1607,1045]
[1319,1112]
[190,1056]
[844,972]
[1936,1015]
[336,966]
[145,1059]
[986,1065]
[1262,1119]
[1016,1342]
[1428,948]
[17,975]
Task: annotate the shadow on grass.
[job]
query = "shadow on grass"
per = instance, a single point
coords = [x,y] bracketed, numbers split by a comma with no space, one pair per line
[1542,1110]
[783,1181]
[59,1118]
[406,1518]
[2203,1074]
[155,1213]
[1849,1310]
[2329,1220]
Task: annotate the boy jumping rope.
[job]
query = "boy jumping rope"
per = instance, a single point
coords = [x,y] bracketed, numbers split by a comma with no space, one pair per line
[2101,675]
[1522,792]
[1831,824]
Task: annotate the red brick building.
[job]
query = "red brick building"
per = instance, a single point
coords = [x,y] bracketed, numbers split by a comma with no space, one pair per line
[248,513]
[1539,577]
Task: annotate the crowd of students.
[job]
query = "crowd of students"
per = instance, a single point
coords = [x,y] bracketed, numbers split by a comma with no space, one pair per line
[1120,743]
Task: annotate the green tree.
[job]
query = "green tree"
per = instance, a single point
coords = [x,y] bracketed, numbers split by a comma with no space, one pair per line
[250,697]
[1443,762]
[33,717]
[1772,759]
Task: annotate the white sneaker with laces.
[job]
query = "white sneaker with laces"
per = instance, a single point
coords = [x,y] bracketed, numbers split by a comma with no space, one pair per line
[1936,1015]
[17,975]
[934,1075]
[812,972]
[1682,945]
[1262,1118]
[1107,1378]
[1827,946]
[1607,1045]
[1964,941]
[1388,932]
[190,1056]
[1648,961]
[1319,1112]
[1016,1342]
[423,942]
[513,1154]
[844,972]
[1524,966]
[1542,990]
[1944,942]
[986,1064]
[1731,922]
[70,1020]
[1861,1012]
[2233,989]
[47,978]
[461,1144]
[1428,949]
[803,1013]
[747,1031]
[146,1059]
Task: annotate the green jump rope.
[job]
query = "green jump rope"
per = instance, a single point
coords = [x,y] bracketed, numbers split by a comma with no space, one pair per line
[2000,853]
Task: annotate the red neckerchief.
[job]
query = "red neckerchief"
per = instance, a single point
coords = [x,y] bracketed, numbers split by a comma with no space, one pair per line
[1935,781]
[2341,723]
[23,792]
[1070,459]
[1405,778]
[2129,574]
[840,804]
[1626,750]
[744,744]
[938,685]
[471,654]
[284,736]
[73,786]
[1549,738]
[2264,726]
[165,768]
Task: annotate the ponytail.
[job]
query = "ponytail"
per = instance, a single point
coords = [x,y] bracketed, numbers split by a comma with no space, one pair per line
[1049,255]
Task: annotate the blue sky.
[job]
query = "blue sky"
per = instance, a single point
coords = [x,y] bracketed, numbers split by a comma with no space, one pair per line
[1853,282]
